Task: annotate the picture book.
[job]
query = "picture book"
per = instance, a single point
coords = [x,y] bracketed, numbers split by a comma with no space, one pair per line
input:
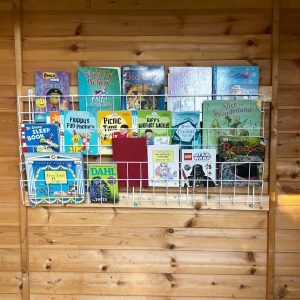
[155,125]
[113,124]
[198,167]
[143,87]
[163,165]
[99,88]
[242,160]
[185,85]
[130,155]
[229,117]
[103,183]
[52,91]
[79,131]
[40,137]
[54,178]
[186,129]
[235,82]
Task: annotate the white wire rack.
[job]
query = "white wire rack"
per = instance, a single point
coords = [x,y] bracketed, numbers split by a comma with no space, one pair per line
[178,191]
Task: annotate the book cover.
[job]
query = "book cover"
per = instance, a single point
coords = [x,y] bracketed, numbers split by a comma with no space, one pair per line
[230,117]
[185,84]
[52,90]
[155,125]
[100,88]
[239,81]
[40,138]
[163,165]
[242,160]
[198,167]
[55,178]
[113,124]
[143,87]
[186,129]
[132,163]
[79,131]
[103,183]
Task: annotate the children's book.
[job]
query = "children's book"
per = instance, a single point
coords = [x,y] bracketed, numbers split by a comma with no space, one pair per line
[40,138]
[186,129]
[230,117]
[79,131]
[103,183]
[163,165]
[54,178]
[198,167]
[52,91]
[242,160]
[99,88]
[155,125]
[185,85]
[143,87]
[113,124]
[235,82]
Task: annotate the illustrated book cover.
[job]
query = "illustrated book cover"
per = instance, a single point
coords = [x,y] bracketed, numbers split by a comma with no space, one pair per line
[54,178]
[143,87]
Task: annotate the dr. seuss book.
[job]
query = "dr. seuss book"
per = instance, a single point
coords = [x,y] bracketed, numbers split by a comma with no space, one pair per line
[188,81]
[79,131]
[155,125]
[51,90]
[113,124]
[103,183]
[198,167]
[239,81]
[163,165]
[40,138]
[54,178]
[242,160]
[100,88]
[229,117]
[186,129]
[143,87]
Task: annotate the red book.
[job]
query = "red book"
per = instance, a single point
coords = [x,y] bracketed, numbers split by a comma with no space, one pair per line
[132,164]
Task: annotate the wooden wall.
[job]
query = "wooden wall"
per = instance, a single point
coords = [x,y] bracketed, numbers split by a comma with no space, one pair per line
[113,253]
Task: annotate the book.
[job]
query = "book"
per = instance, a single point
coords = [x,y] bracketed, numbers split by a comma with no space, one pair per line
[229,117]
[99,88]
[155,125]
[163,165]
[239,81]
[53,117]
[130,156]
[242,160]
[54,178]
[103,183]
[186,129]
[198,167]
[143,87]
[79,132]
[40,137]
[185,85]
[113,124]
[52,91]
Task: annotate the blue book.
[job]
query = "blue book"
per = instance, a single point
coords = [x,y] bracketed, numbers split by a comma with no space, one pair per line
[236,82]
[40,138]
[55,178]
[143,87]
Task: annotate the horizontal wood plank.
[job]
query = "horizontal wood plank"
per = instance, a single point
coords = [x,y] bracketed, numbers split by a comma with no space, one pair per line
[287,264]
[10,189]
[7,73]
[288,145]
[289,74]
[288,169]
[96,297]
[287,287]
[287,240]
[9,167]
[10,282]
[10,260]
[288,121]
[288,217]
[9,212]
[6,23]
[289,95]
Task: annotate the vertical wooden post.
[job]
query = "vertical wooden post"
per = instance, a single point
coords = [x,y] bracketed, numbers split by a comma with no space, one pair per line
[23,208]
[273,152]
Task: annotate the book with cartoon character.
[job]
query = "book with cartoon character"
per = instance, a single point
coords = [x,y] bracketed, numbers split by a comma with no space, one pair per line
[54,178]
[99,88]
[79,132]
[143,87]
[51,90]
[103,183]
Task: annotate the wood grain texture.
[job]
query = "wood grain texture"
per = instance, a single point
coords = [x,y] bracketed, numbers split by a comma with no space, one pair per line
[6,24]
[287,264]
[10,260]
[288,240]
[287,287]
[288,217]
[10,282]
[288,120]
[288,145]
[288,169]
[96,297]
